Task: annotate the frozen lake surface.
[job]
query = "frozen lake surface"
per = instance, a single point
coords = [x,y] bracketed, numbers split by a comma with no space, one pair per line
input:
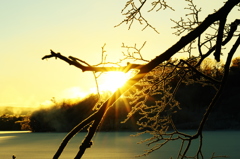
[114,145]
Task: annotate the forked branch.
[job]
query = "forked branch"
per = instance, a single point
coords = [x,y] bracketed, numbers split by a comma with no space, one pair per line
[78,63]
[96,118]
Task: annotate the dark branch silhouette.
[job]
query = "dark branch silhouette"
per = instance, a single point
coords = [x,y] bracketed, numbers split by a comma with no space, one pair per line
[96,118]
[77,63]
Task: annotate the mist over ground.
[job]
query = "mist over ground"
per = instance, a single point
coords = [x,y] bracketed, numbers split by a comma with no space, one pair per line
[63,115]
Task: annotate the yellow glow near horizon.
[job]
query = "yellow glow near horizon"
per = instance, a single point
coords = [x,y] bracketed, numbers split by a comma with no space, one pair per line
[109,81]
[73,92]
[27,81]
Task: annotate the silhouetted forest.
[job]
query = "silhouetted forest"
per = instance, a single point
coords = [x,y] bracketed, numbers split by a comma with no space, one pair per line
[14,118]
[194,99]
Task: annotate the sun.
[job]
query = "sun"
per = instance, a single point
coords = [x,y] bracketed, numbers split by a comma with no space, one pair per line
[111,81]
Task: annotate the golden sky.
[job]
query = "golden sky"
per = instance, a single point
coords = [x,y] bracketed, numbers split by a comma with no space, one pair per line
[29,29]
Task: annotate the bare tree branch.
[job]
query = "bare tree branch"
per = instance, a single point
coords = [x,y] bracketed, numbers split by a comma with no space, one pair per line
[219,39]
[76,62]
[96,118]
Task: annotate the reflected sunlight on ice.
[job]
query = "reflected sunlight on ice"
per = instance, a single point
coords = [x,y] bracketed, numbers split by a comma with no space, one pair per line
[108,145]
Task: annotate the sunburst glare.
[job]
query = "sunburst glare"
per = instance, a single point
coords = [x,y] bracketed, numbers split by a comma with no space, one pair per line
[111,81]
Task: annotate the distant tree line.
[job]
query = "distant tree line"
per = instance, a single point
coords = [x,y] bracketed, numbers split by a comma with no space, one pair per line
[193,99]
[13,122]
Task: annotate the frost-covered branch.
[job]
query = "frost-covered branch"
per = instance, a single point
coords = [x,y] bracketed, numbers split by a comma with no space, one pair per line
[133,12]
[161,120]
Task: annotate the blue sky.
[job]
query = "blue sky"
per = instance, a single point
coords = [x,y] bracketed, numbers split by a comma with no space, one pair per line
[29,29]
